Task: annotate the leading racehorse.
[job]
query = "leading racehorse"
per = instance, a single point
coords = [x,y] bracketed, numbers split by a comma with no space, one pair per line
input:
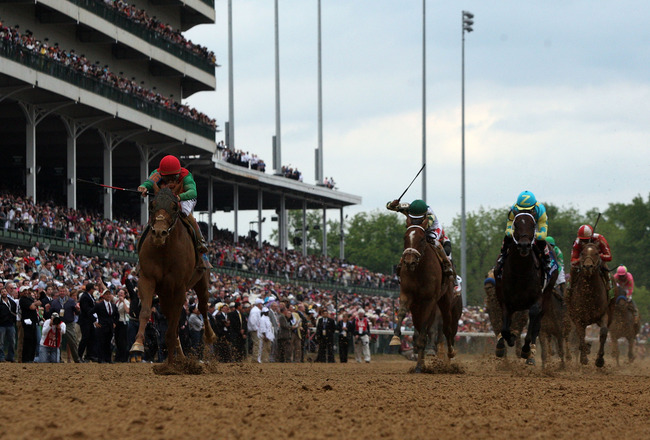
[169,268]
[587,301]
[521,287]
[421,289]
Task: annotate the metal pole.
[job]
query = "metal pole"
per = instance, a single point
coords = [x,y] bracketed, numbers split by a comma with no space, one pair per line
[278,143]
[231,87]
[463,221]
[424,99]
[319,169]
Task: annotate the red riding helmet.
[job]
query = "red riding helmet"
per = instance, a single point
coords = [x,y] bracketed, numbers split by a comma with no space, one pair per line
[169,165]
[585,232]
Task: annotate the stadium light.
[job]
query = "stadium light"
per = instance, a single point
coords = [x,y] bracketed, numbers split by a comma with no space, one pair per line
[467,23]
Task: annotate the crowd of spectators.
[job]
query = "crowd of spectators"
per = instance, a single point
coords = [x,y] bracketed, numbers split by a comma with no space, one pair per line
[10,36]
[240,158]
[75,226]
[140,16]
[291,173]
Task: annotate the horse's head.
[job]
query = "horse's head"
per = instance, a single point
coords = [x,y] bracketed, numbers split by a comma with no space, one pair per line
[524,229]
[590,258]
[163,214]
[415,241]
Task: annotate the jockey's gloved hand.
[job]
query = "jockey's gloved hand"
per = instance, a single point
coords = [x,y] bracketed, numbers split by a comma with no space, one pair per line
[143,190]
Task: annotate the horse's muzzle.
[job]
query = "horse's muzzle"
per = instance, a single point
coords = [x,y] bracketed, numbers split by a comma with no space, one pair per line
[159,236]
[524,248]
[411,258]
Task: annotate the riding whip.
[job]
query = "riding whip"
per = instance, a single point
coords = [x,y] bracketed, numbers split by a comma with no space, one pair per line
[416,176]
[593,230]
[111,187]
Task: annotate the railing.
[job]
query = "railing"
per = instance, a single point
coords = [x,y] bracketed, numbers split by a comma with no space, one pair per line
[94,85]
[153,37]
[59,243]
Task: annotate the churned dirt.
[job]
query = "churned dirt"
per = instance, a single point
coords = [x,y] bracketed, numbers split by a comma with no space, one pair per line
[481,397]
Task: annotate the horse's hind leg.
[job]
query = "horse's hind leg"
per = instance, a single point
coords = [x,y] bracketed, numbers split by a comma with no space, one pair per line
[201,289]
[630,349]
[448,325]
[600,359]
[420,345]
[615,351]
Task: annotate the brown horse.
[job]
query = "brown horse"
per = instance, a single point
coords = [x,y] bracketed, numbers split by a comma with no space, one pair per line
[623,326]
[587,301]
[421,289]
[519,319]
[168,268]
[521,287]
[554,327]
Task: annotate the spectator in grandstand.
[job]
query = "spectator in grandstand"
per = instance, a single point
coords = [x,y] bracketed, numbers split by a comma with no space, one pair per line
[253,327]
[121,328]
[195,321]
[86,321]
[238,331]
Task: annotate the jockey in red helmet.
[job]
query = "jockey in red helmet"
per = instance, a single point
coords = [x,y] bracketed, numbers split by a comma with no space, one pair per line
[172,175]
[586,235]
[435,234]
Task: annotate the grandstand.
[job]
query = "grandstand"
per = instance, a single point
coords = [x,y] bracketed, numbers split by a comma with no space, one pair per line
[93,90]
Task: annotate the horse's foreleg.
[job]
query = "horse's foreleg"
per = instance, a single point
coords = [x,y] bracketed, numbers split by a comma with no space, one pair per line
[145,293]
[535,314]
[600,359]
[505,335]
[630,349]
[584,347]
[615,351]
[404,306]
[420,345]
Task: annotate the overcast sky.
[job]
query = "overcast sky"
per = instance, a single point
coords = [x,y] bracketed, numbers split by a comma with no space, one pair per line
[557,97]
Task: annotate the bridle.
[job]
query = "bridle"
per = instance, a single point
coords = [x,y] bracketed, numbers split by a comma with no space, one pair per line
[514,225]
[411,250]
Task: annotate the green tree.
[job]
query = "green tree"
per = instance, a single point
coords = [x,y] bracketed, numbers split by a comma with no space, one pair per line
[374,240]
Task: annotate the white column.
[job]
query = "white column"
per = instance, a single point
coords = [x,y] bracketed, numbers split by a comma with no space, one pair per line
[71,158]
[108,180]
[30,153]
[235,203]
[210,206]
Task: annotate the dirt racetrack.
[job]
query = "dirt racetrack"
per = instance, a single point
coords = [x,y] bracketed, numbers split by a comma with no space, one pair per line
[490,399]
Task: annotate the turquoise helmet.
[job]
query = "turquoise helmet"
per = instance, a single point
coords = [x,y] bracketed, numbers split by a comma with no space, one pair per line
[418,207]
[526,200]
[550,240]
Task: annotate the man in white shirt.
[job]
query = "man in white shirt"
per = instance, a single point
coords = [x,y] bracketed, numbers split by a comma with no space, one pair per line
[253,326]
[265,335]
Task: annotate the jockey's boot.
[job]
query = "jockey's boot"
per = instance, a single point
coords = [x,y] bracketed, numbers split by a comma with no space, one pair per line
[545,257]
[201,245]
[498,268]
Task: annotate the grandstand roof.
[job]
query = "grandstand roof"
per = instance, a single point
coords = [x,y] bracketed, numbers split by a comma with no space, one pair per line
[227,175]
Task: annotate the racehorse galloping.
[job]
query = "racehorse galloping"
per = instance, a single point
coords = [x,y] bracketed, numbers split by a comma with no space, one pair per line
[587,301]
[421,289]
[520,287]
[168,268]
[623,325]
